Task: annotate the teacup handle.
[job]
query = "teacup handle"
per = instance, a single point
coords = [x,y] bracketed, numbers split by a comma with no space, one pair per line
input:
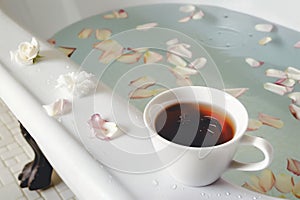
[263,145]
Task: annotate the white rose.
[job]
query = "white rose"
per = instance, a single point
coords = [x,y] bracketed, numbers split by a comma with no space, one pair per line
[26,52]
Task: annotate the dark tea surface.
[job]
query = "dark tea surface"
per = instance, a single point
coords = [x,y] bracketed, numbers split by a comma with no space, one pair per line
[194,125]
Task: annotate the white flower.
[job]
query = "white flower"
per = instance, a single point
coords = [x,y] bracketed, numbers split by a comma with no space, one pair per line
[26,52]
[58,108]
[76,83]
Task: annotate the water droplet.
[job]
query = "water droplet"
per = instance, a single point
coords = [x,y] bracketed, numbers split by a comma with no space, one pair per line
[155,182]
[174,187]
[67,67]
[219,195]
[250,35]
[219,32]
[228,45]
[254,198]
[226,16]
[227,193]
[202,194]
[239,196]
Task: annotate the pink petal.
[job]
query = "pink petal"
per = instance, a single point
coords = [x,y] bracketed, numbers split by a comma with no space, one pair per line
[68,51]
[102,129]
[142,82]
[270,120]
[103,34]
[185,19]
[176,60]
[295,96]
[85,33]
[277,89]
[152,57]
[286,82]
[147,26]
[198,63]
[267,180]
[130,58]
[187,8]
[254,124]
[236,92]
[264,27]
[181,50]
[108,45]
[51,41]
[120,14]
[198,15]
[141,93]
[254,185]
[296,190]
[265,41]
[295,111]
[276,73]
[284,183]
[293,73]
[297,44]
[254,63]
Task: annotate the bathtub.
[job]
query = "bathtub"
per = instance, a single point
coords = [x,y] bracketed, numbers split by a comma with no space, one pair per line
[24,90]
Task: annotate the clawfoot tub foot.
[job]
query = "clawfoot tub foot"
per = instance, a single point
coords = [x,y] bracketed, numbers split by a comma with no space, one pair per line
[36,174]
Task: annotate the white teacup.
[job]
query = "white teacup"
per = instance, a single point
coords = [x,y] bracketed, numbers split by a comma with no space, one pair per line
[200,166]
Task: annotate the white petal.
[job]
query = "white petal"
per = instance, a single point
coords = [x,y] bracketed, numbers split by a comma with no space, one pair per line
[264,27]
[181,50]
[141,93]
[142,82]
[58,108]
[284,183]
[68,51]
[85,33]
[183,72]
[35,43]
[111,130]
[172,42]
[254,63]
[236,92]
[183,81]
[295,96]
[147,26]
[198,15]
[265,41]
[276,73]
[293,73]
[198,63]
[270,120]
[176,60]
[287,82]
[187,8]
[152,57]
[185,19]
[103,34]
[130,58]
[295,111]
[277,89]
[254,124]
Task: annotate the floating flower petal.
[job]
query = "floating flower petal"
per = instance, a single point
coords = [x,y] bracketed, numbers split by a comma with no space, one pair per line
[287,82]
[111,50]
[58,108]
[198,15]
[236,92]
[254,185]
[142,82]
[297,44]
[270,120]
[152,57]
[103,129]
[284,183]
[120,14]
[103,34]
[276,73]
[254,124]
[267,180]
[198,63]
[172,42]
[277,89]
[187,8]
[265,41]
[183,81]
[254,63]
[185,72]
[130,58]
[147,26]
[180,50]
[176,60]
[141,93]
[85,33]
[76,83]
[51,41]
[185,19]
[295,96]
[295,111]
[264,27]
[68,51]
[293,73]
[296,190]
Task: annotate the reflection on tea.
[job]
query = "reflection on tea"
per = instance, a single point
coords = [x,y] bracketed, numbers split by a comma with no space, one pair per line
[194,125]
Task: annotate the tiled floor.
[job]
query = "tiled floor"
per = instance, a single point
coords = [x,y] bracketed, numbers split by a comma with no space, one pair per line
[14,154]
